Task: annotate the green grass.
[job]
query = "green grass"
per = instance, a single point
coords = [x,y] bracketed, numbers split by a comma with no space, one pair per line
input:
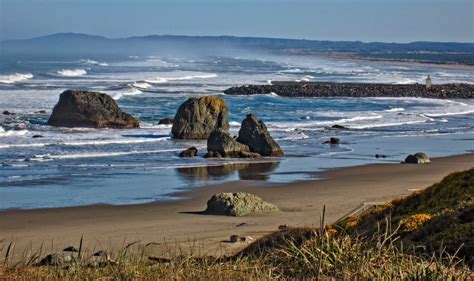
[382,243]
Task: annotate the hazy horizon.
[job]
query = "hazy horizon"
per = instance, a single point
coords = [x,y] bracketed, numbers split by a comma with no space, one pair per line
[362,20]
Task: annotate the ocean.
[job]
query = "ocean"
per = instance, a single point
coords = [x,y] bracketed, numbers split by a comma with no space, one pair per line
[78,166]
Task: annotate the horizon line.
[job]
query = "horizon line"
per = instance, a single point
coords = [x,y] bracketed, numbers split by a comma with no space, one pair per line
[230,36]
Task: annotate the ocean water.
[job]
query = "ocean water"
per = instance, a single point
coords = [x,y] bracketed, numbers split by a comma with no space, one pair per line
[71,167]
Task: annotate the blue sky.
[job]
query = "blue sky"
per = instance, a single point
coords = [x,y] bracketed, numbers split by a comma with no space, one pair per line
[365,20]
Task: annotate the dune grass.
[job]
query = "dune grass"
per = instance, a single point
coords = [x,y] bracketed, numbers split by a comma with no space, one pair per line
[386,242]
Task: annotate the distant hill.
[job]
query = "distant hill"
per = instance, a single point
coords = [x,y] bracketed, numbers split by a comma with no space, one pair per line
[74,43]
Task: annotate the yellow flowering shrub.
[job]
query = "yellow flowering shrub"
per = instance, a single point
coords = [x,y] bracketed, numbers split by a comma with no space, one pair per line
[414,221]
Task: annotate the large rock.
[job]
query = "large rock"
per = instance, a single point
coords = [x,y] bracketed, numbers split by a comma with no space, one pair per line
[417,158]
[222,144]
[255,135]
[237,204]
[89,109]
[197,118]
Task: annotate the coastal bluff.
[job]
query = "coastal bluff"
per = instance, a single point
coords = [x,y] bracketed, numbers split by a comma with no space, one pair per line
[332,89]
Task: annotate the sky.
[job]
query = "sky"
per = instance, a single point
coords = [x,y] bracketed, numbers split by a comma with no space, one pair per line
[364,20]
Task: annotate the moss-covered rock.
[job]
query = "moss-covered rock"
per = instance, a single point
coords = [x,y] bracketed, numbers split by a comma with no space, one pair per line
[237,204]
[197,118]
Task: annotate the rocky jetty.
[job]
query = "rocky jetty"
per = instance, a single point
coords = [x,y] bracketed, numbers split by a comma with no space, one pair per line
[417,158]
[197,118]
[237,204]
[255,135]
[221,144]
[89,109]
[329,89]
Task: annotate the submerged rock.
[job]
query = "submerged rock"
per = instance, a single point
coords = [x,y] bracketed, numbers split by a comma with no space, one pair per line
[255,135]
[190,152]
[89,109]
[165,121]
[197,118]
[417,158]
[333,140]
[221,144]
[338,127]
[237,204]
[6,112]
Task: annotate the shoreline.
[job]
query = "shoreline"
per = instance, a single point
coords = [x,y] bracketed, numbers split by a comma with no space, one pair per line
[178,222]
[401,62]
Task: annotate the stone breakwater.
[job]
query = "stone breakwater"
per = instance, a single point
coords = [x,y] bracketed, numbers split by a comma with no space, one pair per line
[330,89]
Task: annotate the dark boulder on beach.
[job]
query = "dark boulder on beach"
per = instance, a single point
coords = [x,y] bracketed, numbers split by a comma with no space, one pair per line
[255,135]
[90,109]
[417,158]
[237,204]
[197,118]
[221,144]
[190,152]
[165,121]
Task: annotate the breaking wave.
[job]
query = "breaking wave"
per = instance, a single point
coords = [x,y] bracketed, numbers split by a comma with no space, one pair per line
[93,62]
[161,80]
[71,72]
[13,78]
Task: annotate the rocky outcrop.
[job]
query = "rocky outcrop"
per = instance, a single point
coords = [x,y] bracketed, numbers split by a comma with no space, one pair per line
[237,204]
[165,121]
[197,118]
[417,158]
[255,135]
[89,109]
[331,89]
[221,144]
[190,152]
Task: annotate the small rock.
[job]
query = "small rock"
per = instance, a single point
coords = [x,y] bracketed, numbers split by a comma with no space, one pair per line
[37,136]
[100,254]
[41,112]
[237,204]
[340,127]
[282,227]
[333,140]
[417,158]
[165,121]
[70,249]
[380,156]
[190,152]
[212,154]
[55,260]
[236,238]
[6,112]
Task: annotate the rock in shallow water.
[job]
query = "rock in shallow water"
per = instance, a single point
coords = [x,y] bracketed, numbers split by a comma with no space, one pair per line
[417,158]
[197,118]
[165,121]
[89,109]
[237,204]
[190,152]
[221,144]
[255,135]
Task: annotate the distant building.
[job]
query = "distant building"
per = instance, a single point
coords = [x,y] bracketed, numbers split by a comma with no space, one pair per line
[428,82]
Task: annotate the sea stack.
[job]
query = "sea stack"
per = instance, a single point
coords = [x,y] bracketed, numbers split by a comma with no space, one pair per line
[90,109]
[197,118]
[255,135]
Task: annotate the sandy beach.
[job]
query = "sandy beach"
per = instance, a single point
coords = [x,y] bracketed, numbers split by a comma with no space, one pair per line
[178,223]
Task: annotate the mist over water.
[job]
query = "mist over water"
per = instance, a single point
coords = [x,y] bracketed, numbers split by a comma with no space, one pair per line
[68,167]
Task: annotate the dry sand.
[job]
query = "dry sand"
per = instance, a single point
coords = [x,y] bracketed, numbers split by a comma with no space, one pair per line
[176,223]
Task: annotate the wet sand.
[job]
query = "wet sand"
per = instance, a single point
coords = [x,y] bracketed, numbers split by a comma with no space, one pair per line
[179,224]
